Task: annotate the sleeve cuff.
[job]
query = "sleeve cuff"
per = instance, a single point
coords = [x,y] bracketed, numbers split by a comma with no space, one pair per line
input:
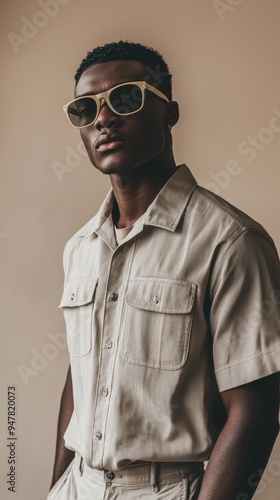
[248,370]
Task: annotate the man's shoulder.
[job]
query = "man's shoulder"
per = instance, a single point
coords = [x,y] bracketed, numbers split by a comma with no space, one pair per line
[86,230]
[221,211]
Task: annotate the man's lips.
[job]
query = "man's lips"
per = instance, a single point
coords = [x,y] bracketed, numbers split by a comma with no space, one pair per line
[109,141]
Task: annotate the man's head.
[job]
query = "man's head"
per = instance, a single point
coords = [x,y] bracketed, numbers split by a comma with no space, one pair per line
[117,141]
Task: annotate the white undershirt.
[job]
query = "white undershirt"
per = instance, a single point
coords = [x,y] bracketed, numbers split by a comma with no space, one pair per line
[121,233]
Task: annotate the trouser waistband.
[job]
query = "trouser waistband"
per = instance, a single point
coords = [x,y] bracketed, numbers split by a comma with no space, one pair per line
[148,473]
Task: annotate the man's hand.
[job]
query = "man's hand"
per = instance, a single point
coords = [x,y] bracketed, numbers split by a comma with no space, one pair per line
[63,456]
[246,441]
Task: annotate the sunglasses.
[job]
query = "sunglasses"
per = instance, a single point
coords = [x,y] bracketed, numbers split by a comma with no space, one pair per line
[124,99]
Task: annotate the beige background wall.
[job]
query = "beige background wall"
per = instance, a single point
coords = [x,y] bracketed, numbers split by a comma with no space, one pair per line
[225,63]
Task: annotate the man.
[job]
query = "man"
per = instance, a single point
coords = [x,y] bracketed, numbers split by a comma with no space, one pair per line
[171,302]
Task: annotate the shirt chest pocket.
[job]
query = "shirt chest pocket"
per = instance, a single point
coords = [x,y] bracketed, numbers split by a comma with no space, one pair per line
[157,324]
[77,303]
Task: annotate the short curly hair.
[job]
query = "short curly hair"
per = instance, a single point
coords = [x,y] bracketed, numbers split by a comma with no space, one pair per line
[123,50]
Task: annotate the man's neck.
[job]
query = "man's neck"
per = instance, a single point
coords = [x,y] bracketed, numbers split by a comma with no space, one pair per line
[135,191]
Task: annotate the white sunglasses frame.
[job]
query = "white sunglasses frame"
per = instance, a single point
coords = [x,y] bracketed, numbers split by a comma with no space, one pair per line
[105,95]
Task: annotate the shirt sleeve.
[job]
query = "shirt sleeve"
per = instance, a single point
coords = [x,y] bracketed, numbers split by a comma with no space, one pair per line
[245,312]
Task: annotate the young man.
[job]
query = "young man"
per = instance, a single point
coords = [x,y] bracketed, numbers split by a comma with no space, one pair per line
[171,302]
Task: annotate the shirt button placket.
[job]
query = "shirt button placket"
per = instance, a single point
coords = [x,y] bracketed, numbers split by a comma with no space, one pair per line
[113,297]
[112,305]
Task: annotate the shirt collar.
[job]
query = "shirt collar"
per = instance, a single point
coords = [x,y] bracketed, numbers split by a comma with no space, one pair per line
[166,209]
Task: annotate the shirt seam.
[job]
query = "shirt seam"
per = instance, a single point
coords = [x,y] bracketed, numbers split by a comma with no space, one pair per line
[244,360]
[231,240]
[229,212]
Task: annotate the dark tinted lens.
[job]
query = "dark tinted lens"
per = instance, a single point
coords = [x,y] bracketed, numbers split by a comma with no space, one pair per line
[126,99]
[82,112]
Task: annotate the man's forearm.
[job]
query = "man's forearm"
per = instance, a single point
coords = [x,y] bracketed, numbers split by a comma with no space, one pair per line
[63,456]
[237,457]
[245,443]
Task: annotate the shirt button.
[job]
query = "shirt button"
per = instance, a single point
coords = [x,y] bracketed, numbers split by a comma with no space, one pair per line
[156,299]
[113,297]
[109,344]
[98,435]
[105,392]
[110,475]
[72,296]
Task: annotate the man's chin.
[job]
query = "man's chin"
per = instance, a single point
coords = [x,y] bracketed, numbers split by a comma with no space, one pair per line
[120,165]
[115,168]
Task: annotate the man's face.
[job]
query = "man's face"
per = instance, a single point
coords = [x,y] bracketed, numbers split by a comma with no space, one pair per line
[142,133]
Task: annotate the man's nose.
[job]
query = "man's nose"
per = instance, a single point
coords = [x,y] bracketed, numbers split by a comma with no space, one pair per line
[106,117]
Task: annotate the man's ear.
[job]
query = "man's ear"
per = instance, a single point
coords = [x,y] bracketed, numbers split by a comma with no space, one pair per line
[171,114]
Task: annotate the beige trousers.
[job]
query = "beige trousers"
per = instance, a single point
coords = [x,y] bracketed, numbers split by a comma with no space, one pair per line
[154,481]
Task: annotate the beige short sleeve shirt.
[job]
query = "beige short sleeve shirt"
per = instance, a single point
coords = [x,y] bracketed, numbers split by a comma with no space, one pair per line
[186,307]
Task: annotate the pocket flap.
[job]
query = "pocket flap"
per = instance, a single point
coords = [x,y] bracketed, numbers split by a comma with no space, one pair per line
[161,295]
[78,293]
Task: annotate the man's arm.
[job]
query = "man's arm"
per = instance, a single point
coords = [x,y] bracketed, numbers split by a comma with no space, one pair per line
[243,448]
[63,456]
